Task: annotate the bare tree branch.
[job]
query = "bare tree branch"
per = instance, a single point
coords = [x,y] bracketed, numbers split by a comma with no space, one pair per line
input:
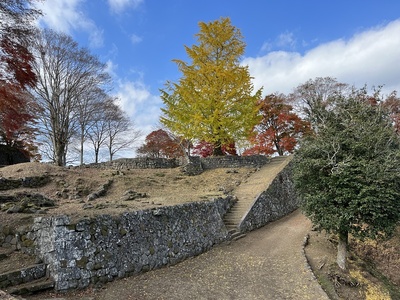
[66,75]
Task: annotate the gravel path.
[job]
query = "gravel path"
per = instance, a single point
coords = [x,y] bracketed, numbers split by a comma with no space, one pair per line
[266,264]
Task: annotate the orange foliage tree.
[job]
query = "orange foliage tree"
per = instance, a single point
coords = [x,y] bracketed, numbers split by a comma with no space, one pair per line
[159,144]
[280,128]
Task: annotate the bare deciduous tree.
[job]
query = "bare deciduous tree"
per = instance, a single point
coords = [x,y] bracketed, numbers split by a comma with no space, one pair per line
[120,130]
[97,131]
[65,74]
[88,109]
[316,95]
[111,129]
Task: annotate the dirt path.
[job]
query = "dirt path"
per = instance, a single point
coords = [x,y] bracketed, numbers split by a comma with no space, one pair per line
[266,264]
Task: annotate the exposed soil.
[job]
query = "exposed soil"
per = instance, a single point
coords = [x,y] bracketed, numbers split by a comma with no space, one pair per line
[370,275]
[146,188]
[14,260]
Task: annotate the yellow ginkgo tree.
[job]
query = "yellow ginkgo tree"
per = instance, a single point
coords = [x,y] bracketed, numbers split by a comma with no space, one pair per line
[213,101]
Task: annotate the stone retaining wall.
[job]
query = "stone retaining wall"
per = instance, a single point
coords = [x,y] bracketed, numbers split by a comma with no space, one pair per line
[26,182]
[137,163]
[16,239]
[195,166]
[233,161]
[103,248]
[278,200]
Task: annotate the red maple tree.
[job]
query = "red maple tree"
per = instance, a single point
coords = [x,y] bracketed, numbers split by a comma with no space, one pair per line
[392,103]
[159,144]
[205,149]
[279,129]
[17,108]
[17,119]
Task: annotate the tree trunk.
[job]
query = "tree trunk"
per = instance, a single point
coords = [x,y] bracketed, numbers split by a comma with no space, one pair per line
[342,250]
[59,153]
[111,154]
[96,155]
[81,149]
[279,149]
[217,151]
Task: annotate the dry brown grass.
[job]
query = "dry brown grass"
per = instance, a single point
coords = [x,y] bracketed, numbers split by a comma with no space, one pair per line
[69,187]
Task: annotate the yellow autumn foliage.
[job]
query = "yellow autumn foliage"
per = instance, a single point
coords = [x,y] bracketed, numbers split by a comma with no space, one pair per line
[213,101]
[372,290]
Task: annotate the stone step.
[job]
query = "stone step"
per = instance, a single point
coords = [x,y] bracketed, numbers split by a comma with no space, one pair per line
[236,217]
[23,275]
[232,230]
[32,287]
[232,227]
[246,199]
[233,218]
[232,222]
[243,203]
[235,234]
[239,236]
[239,209]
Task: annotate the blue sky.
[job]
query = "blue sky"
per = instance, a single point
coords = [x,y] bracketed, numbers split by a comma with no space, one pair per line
[288,42]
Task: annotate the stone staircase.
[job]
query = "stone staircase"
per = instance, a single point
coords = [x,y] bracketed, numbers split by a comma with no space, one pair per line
[24,280]
[248,192]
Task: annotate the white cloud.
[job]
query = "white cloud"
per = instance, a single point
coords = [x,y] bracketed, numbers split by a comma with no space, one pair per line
[286,40]
[96,39]
[67,16]
[135,39]
[118,6]
[370,57]
[137,101]
[111,68]
[267,46]
[135,98]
